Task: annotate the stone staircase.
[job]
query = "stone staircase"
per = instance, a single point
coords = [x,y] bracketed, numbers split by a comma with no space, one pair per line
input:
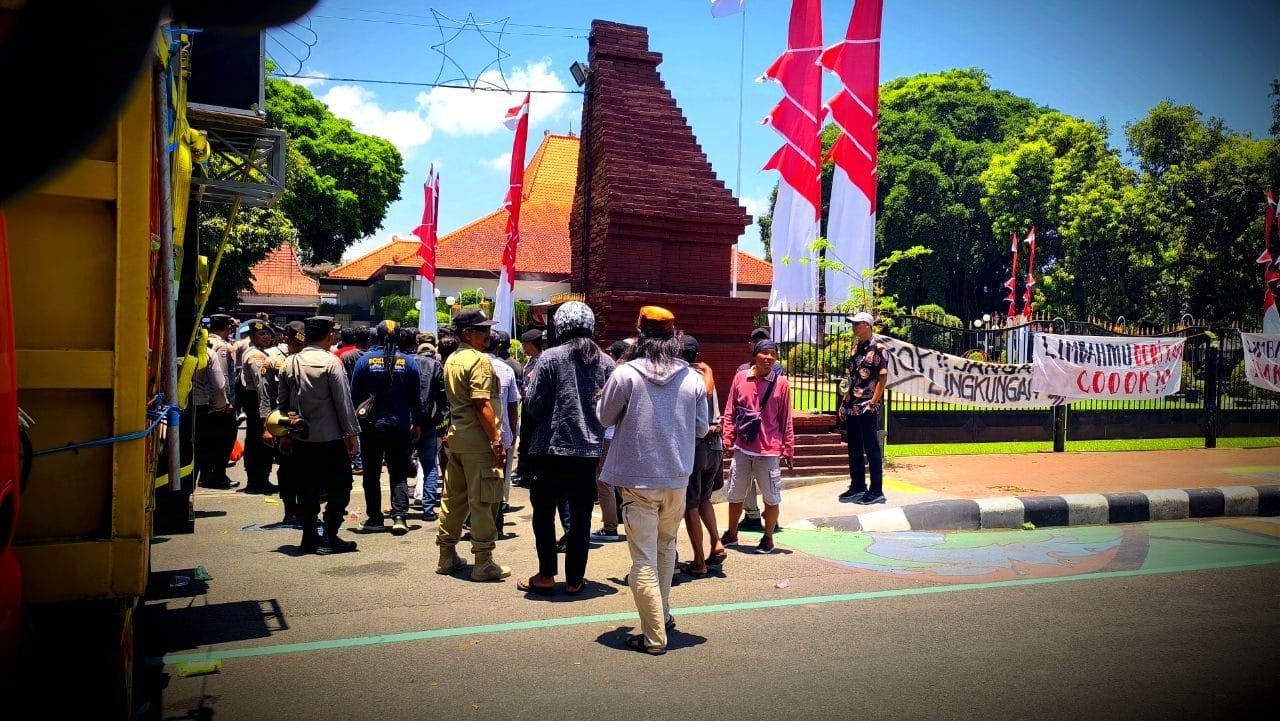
[819,452]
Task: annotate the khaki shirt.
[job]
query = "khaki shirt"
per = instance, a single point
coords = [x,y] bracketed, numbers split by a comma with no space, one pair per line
[468,374]
[314,385]
[209,385]
[268,393]
[253,363]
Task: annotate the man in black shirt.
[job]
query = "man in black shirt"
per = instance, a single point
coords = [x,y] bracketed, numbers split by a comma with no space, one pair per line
[864,374]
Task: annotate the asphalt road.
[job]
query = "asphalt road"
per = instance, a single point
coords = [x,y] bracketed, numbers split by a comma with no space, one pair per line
[1165,620]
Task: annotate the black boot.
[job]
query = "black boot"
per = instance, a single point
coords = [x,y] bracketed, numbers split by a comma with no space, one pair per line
[331,544]
[310,537]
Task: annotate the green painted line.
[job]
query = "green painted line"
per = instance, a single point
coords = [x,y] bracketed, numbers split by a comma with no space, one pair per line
[340,643]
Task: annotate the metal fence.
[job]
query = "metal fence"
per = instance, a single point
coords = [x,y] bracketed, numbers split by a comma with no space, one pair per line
[1214,399]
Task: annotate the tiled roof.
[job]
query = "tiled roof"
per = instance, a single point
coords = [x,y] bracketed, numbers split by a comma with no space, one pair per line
[280,273]
[544,229]
[753,271]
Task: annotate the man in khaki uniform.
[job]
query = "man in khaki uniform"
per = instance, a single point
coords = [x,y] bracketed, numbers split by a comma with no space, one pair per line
[473,478]
[257,455]
[314,386]
[287,475]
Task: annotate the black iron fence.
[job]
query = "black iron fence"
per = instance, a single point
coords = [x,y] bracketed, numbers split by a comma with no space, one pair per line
[1214,399]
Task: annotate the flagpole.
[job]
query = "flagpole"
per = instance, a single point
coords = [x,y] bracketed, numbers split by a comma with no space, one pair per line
[742,74]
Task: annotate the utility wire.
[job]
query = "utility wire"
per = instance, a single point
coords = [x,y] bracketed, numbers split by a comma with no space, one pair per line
[436,26]
[428,17]
[420,84]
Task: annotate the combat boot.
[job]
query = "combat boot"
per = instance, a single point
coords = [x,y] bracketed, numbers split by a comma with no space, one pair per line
[486,569]
[449,561]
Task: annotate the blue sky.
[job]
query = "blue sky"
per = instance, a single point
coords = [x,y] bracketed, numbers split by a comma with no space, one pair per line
[1109,59]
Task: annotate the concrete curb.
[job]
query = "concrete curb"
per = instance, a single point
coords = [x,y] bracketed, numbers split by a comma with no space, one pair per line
[1080,509]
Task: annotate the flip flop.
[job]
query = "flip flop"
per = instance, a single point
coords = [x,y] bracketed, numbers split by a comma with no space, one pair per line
[636,643]
[717,559]
[527,586]
[575,592]
[687,569]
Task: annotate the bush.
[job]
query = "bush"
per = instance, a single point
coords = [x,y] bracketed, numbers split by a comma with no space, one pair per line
[927,335]
[1238,385]
[1188,381]
[802,359]
[396,307]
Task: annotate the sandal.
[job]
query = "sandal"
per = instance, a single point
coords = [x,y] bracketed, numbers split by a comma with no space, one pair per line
[636,643]
[568,591]
[528,586]
[687,569]
[717,559]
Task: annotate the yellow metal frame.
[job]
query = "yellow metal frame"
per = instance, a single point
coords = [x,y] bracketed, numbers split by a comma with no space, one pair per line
[86,520]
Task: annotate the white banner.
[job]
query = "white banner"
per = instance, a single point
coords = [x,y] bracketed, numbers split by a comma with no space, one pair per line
[1262,359]
[1127,368]
[930,375]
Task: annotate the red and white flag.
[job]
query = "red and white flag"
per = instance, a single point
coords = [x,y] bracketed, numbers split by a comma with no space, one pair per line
[1271,276]
[851,223]
[1031,274]
[504,305]
[428,236]
[1012,283]
[797,118]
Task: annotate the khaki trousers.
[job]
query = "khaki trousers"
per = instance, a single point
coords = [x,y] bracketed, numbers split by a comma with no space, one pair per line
[653,522]
[471,485]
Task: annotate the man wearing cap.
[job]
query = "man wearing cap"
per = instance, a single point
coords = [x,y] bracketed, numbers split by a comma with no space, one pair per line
[658,405]
[314,386]
[473,478]
[214,396]
[434,403]
[509,403]
[532,341]
[257,455]
[865,372]
[268,401]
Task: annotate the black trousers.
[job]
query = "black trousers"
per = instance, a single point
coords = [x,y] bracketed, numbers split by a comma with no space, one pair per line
[287,478]
[863,440]
[559,479]
[524,468]
[322,467]
[257,455]
[215,434]
[394,445]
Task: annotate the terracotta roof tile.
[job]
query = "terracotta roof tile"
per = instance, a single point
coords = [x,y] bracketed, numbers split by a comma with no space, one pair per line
[280,273]
[753,271]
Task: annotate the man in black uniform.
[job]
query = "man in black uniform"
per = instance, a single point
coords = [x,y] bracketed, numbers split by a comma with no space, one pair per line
[314,386]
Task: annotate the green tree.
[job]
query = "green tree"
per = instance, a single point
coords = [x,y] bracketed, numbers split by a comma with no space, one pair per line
[339,182]
[256,232]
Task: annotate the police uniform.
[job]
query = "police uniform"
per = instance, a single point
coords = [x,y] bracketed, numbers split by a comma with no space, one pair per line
[314,385]
[286,474]
[257,455]
[215,427]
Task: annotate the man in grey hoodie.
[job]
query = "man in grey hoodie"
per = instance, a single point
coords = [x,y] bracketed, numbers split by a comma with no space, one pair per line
[658,405]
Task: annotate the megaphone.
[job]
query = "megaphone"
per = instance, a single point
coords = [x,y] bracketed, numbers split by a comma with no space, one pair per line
[280,424]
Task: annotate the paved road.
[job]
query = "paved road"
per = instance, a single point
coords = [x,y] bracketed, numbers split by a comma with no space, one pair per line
[1135,621]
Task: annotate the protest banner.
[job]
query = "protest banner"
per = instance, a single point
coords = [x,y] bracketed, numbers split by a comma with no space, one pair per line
[1262,359]
[930,375]
[1107,368]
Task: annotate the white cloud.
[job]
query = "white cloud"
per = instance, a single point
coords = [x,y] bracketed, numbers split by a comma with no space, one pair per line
[314,80]
[501,163]
[406,129]
[467,112]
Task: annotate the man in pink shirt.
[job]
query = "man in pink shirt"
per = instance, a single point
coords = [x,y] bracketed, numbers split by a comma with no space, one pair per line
[757,429]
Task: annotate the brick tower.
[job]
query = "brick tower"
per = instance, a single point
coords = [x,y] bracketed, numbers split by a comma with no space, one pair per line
[651,224]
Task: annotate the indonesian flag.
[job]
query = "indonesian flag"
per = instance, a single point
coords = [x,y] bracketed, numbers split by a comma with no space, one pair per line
[1012,283]
[797,118]
[725,8]
[504,306]
[429,238]
[1031,274]
[1271,277]
[851,223]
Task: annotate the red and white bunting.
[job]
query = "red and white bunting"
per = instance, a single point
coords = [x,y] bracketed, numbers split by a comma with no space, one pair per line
[517,119]
[428,237]
[851,222]
[797,118]
[1012,283]
[1031,274]
[1271,276]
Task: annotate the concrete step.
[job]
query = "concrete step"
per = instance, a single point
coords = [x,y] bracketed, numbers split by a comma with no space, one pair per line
[816,439]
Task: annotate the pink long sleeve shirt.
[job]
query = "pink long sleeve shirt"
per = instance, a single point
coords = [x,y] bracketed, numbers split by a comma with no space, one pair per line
[777,434]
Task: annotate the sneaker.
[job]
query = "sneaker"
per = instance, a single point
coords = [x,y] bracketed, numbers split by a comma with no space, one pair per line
[765,545]
[606,535]
[853,495]
[429,515]
[374,523]
[870,498]
[729,539]
[751,524]
[398,527]
[333,545]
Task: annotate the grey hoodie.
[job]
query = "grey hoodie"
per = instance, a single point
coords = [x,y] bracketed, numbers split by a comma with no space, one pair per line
[659,412]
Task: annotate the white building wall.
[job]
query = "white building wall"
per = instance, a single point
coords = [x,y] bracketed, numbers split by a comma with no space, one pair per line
[530,290]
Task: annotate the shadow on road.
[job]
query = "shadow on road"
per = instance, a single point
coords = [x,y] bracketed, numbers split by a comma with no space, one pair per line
[676,640]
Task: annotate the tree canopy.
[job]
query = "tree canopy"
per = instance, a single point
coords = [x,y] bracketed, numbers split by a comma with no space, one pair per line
[1171,227]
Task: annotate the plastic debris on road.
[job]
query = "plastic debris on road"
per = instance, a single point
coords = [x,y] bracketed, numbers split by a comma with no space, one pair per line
[179,581]
[1028,526]
[201,574]
[271,500]
[199,668]
[784,583]
[249,526]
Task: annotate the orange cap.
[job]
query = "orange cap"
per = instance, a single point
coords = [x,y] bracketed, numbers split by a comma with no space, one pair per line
[655,320]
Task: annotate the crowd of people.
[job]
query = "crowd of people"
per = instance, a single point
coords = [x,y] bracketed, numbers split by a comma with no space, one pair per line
[638,429]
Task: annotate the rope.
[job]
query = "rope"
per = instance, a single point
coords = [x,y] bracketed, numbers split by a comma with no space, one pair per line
[158,412]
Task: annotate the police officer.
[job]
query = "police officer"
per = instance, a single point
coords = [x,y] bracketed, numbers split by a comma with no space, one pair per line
[253,362]
[286,476]
[314,386]
[434,404]
[215,431]
[390,378]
